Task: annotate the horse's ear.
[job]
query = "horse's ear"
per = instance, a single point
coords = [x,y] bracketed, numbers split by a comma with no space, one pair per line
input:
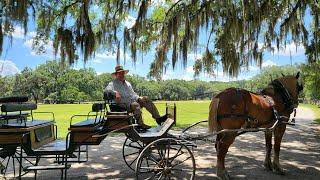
[282,74]
[298,75]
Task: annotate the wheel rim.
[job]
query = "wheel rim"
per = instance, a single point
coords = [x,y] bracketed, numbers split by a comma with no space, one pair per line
[167,158]
[130,152]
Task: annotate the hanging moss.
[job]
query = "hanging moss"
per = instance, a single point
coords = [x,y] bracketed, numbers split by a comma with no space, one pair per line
[235,29]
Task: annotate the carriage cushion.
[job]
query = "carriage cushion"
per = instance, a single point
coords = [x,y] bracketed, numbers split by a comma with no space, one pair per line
[159,130]
[14,99]
[11,107]
[86,123]
[26,124]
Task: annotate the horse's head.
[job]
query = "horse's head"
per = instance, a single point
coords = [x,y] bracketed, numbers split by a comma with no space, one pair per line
[289,88]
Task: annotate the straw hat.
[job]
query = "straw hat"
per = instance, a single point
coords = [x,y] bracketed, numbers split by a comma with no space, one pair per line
[119,68]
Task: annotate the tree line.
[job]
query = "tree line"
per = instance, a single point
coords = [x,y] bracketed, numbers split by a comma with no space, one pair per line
[52,83]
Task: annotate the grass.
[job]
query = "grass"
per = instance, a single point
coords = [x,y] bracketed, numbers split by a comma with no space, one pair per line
[188,112]
[315,109]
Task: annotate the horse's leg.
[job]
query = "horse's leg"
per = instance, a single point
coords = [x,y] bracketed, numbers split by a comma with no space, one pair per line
[278,134]
[267,160]
[222,145]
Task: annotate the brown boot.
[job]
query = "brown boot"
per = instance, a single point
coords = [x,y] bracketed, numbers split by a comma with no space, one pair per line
[162,119]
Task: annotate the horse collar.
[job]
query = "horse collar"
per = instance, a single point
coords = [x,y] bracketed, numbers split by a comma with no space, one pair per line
[285,95]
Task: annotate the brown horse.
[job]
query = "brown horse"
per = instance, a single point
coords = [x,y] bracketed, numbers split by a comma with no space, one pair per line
[238,108]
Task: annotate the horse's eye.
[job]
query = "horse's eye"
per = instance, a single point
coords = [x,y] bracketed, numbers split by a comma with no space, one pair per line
[300,87]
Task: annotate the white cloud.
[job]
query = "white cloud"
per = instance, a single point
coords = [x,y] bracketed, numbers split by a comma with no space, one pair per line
[190,69]
[129,21]
[98,61]
[168,75]
[285,50]
[8,68]
[161,2]
[48,48]
[18,33]
[106,55]
[158,2]
[292,48]
[111,55]
[194,56]
[187,77]
[268,63]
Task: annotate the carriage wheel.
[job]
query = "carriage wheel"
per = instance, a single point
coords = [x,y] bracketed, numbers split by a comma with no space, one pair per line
[166,158]
[130,151]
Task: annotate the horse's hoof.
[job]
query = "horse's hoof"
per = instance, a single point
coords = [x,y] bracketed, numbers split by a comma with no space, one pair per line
[268,165]
[223,175]
[278,170]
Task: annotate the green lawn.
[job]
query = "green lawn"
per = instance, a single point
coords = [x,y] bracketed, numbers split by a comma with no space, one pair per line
[315,109]
[188,112]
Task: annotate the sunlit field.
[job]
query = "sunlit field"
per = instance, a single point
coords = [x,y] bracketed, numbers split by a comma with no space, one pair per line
[188,112]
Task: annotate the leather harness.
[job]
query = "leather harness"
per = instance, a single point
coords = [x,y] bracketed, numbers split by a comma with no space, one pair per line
[279,88]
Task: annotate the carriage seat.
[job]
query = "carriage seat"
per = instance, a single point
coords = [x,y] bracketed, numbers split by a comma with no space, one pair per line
[7,112]
[159,130]
[17,111]
[92,120]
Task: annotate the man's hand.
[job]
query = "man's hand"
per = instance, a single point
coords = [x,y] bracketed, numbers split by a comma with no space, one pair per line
[118,97]
[142,99]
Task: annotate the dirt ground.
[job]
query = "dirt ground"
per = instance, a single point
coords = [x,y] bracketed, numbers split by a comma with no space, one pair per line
[299,156]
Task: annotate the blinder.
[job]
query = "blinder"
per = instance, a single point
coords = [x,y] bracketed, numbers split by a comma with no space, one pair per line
[288,100]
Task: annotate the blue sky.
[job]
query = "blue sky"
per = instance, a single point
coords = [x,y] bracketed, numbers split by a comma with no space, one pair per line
[20,55]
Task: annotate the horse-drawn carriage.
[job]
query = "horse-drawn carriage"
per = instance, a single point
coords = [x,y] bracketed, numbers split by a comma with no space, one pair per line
[25,142]
[152,153]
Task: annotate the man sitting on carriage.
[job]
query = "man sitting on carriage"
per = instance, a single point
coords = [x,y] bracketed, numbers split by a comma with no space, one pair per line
[126,98]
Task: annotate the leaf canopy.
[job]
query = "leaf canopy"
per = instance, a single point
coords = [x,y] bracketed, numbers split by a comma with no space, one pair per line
[237,32]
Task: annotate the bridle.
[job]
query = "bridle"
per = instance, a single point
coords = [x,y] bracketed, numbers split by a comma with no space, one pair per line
[288,100]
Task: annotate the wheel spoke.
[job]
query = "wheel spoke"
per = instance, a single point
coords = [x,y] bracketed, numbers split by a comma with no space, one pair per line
[133,161]
[183,169]
[181,162]
[131,154]
[139,144]
[133,146]
[168,153]
[155,175]
[130,151]
[176,155]
[153,160]
[160,153]
[152,168]
[160,175]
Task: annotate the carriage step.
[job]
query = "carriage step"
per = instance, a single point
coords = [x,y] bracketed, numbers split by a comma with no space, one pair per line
[48,167]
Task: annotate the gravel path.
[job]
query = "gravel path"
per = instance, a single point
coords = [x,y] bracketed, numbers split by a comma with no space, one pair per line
[299,156]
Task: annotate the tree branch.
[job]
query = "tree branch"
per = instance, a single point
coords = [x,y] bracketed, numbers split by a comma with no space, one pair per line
[294,10]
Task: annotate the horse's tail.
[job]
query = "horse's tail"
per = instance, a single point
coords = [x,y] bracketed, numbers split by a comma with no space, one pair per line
[213,121]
